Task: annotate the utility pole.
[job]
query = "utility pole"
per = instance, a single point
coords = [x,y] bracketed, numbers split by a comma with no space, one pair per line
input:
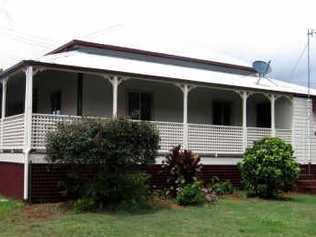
[310,33]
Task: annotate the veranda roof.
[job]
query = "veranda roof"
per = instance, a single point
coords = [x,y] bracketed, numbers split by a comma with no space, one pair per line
[76,58]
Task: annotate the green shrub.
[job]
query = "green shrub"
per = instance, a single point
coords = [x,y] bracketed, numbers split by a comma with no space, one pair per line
[115,148]
[269,168]
[190,194]
[182,167]
[221,187]
[84,205]
[112,142]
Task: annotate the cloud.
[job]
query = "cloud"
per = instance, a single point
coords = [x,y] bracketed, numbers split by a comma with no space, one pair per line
[247,30]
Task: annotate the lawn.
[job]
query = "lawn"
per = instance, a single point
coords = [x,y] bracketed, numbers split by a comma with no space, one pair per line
[230,216]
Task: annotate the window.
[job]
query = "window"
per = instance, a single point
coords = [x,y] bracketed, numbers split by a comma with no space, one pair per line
[55,102]
[139,105]
[264,115]
[222,113]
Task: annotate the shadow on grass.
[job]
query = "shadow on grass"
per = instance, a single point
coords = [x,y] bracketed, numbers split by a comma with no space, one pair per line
[151,206]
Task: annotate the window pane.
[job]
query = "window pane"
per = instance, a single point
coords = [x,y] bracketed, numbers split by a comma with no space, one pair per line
[55,100]
[145,106]
[264,115]
[222,113]
[133,105]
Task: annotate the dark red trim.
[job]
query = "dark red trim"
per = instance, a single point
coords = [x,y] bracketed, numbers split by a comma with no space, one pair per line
[12,180]
[79,43]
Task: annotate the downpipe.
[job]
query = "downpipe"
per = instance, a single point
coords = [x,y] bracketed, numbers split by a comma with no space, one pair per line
[26,173]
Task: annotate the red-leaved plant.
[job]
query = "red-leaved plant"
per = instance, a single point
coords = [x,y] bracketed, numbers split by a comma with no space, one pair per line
[181,167]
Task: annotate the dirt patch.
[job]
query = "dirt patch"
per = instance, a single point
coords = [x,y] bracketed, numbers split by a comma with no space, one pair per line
[44,211]
[236,196]
[164,203]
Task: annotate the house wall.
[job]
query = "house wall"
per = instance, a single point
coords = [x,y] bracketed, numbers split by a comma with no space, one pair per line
[167,99]
[300,130]
[283,113]
[252,102]
[11,179]
[48,82]
[15,95]
[97,98]
[200,105]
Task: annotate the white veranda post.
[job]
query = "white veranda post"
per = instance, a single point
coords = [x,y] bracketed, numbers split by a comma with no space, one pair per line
[3,104]
[185,116]
[244,118]
[28,107]
[272,99]
[27,124]
[185,89]
[115,81]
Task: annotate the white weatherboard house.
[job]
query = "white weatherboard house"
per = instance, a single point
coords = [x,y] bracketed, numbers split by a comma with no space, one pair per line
[216,109]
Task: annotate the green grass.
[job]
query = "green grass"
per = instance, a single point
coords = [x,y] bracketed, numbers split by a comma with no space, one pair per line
[8,207]
[228,217]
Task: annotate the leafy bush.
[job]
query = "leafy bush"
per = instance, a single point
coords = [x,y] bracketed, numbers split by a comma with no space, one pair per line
[115,148]
[182,167]
[190,194]
[269,168]
[220,187]
[84,204]
[111,142]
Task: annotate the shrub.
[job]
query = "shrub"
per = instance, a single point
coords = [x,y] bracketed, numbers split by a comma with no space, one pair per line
[83,205]
[221,187]
[268,168]
[182,167]
[115,148]
[110,142]
[190,194]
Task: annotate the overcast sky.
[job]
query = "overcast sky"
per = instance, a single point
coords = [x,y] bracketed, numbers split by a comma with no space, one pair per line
[246,29]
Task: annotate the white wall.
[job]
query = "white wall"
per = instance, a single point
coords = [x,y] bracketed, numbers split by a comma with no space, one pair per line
[167,99]
[97,96]
[252,102]
[283,113]
[200,105]
[48,82]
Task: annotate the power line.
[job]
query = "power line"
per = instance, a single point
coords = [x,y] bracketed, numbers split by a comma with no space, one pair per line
[101,31]
[291,75]
[28,38]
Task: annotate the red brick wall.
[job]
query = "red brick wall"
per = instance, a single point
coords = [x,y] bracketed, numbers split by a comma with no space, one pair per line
[11,180]
[45,178]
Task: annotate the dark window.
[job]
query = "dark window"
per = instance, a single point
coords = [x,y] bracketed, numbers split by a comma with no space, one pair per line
[55,102]
[139,105]
[264,115]
[222,113]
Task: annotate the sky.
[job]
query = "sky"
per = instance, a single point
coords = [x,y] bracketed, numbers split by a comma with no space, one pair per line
[246,30]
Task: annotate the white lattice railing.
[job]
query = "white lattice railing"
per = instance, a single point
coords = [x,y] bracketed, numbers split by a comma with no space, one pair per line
[205,138]
[255,134]
[171,133]
[44,123]
[285,134]
[202,138]
[12,132]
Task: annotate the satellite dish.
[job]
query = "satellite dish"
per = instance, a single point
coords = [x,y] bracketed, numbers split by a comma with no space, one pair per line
[262,67]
